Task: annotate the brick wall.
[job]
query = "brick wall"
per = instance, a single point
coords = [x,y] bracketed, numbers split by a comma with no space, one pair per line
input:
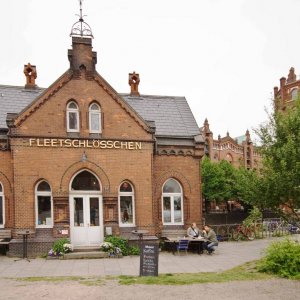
[28,164]
[6,179]
[186,170]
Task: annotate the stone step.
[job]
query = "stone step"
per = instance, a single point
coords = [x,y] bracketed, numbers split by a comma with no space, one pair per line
[88,254]
[86,248]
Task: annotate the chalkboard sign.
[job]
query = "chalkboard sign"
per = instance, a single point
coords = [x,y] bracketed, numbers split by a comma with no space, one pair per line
[149,260]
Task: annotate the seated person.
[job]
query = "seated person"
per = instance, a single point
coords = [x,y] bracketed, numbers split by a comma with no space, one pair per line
[211,237]
[193,231]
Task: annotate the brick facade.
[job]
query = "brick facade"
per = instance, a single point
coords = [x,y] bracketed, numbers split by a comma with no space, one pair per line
[40,148]
[285,96]
[240,152]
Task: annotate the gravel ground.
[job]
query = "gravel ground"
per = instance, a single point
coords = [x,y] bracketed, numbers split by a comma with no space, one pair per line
[110,290]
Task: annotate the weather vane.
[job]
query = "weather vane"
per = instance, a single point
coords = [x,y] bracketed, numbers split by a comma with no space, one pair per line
[81,28]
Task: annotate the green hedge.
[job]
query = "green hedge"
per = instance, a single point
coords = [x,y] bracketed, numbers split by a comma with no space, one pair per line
[282,258]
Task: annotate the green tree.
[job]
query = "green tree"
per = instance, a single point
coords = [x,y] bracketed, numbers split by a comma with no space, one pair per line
[251,188]
[213,181]
[229,190]
[218,181]
[280,139]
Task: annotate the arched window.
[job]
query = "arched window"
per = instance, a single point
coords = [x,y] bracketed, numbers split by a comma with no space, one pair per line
[95,118]
[43,205]
[126,205]
[2,210]
[294,94]
[85,181]
[229,158]
[172,212]
[72,117]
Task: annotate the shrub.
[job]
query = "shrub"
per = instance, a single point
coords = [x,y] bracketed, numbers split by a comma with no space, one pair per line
[58,246]
[134,250]
[254,216]
[282,258]
[118,242]
[106,247]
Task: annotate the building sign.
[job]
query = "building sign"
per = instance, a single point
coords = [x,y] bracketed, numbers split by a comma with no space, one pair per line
[94,144]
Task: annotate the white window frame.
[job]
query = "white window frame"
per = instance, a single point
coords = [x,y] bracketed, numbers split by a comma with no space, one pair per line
[133,205]
[3,206]
[72,110]
[172,196]
[39,193]
[95,112]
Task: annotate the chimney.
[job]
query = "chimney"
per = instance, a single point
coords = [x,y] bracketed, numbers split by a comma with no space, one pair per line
[247,136]
[134,80]
[275,91]
[81,57]
[292,76]
[282,90]
[30,73]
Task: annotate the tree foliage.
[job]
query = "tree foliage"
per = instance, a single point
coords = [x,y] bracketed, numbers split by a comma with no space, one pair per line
[280,139]
[251,187]
[218,180]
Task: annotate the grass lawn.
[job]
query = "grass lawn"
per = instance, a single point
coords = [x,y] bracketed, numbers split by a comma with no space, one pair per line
[245,272]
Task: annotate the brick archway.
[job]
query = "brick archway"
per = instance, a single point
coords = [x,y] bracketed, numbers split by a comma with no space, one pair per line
[5,181]
[176,175]
[87,165]
[186,187]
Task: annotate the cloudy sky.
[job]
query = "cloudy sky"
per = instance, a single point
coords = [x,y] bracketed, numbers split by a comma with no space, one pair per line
[225,56]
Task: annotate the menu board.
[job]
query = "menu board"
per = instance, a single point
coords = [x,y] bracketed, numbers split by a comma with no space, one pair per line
[149,260]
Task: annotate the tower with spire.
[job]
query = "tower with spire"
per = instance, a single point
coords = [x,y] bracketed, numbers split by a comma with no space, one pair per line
[82,59]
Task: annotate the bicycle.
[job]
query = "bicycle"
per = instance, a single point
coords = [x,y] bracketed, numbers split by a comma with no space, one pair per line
[243,232]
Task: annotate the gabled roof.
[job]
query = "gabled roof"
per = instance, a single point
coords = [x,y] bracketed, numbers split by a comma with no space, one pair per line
[172,115]
[13,99]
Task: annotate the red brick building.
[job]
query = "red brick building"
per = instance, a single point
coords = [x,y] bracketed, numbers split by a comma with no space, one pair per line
[288,92]
[239,151]
[80,160]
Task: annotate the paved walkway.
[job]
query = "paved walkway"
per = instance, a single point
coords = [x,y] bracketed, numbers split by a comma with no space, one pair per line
[227,256]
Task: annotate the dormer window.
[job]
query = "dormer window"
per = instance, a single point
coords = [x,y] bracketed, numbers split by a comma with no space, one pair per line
[72,117]
[94,118]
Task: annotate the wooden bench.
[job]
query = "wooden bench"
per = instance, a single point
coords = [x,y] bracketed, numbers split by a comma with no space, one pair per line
[5,236]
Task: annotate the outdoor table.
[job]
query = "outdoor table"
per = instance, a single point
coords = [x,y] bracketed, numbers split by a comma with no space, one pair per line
[140,233]
[25,234]
[174,242]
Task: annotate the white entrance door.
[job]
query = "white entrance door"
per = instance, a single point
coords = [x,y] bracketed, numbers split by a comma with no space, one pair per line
[86,220]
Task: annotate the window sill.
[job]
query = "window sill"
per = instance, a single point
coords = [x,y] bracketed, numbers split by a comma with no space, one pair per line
[44,226]
[126,225]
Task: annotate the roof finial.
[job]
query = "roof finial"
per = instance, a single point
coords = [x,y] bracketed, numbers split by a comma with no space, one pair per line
[81,28]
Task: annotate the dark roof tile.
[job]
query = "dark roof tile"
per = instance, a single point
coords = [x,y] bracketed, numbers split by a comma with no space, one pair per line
[13,99]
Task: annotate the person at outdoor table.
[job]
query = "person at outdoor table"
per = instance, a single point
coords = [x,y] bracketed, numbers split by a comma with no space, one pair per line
[211,237]
[193,231]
